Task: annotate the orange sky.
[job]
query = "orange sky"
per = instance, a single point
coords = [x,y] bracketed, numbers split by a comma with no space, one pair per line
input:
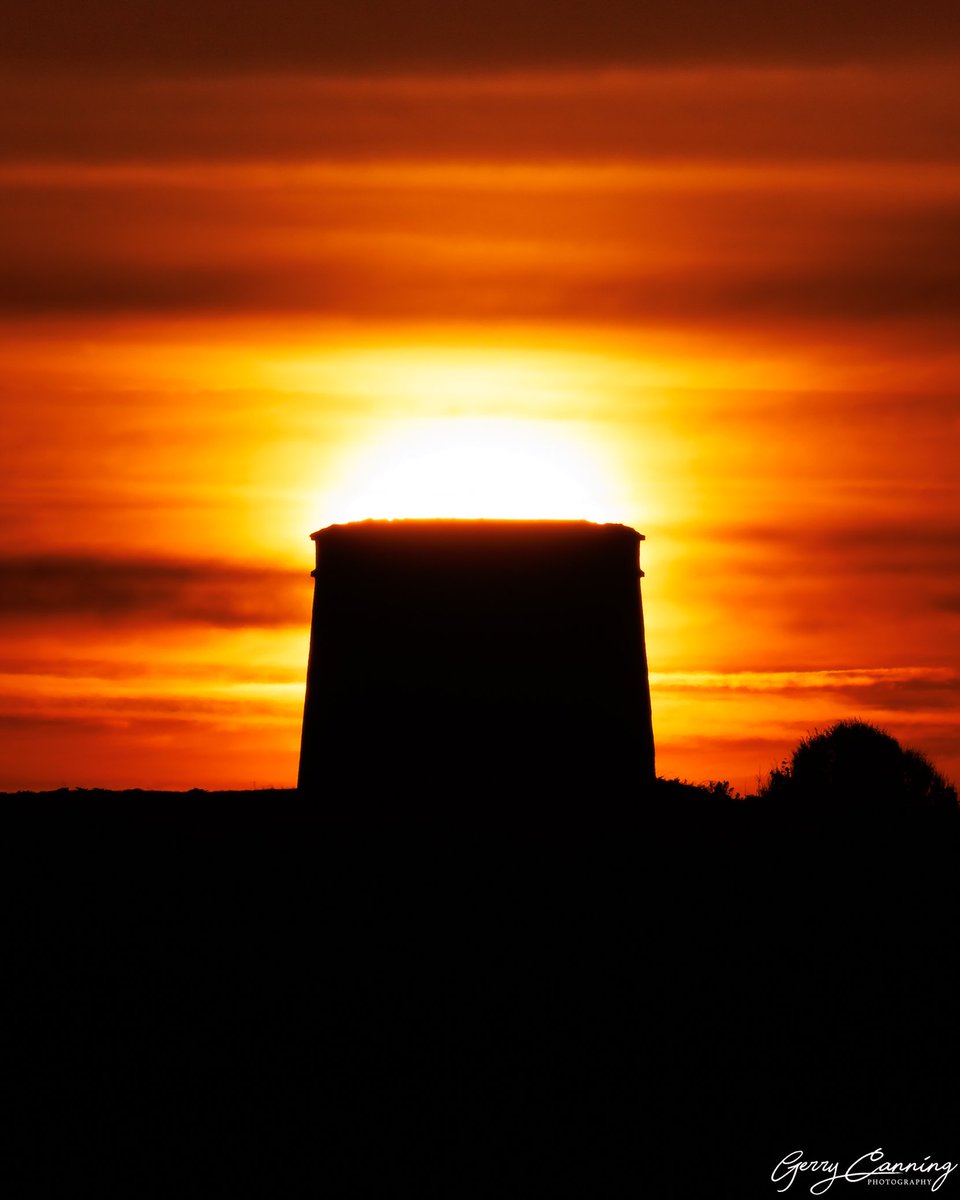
[699,279]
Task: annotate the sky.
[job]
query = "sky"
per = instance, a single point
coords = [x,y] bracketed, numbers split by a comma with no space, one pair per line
[688,266]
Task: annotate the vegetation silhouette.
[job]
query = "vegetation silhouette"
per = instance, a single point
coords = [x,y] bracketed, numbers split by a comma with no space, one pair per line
[570,996]
[248,987]
[852,768]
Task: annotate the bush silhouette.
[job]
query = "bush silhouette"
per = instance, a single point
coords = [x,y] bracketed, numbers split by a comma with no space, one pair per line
[853,764]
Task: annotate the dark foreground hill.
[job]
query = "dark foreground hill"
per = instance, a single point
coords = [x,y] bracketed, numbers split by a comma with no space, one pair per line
[513,1000]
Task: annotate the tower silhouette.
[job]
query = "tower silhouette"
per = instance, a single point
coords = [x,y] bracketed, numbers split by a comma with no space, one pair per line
[502,661]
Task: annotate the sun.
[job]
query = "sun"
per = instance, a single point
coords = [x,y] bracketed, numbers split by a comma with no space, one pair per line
[473,467]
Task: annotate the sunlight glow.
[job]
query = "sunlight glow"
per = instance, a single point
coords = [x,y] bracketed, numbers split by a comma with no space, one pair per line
[474,467]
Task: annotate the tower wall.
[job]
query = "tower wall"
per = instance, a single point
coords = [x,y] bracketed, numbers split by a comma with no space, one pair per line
[498,659]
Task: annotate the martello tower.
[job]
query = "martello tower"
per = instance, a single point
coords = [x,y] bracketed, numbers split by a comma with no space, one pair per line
[452,658]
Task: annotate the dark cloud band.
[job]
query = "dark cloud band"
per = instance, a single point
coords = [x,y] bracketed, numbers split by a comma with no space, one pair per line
[375,35]
[152,591]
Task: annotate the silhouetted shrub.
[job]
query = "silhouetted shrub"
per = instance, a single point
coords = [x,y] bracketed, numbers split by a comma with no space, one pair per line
[853,764]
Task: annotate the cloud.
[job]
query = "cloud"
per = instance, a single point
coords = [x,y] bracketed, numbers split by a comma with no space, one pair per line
[862,548]
[113,289]
[880,688]
[376,35]
[452,288]
[186,674]
[99,746]
[279,706]
[713,114]
[568,246]
[146,591]
[739,724]
[664,196]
